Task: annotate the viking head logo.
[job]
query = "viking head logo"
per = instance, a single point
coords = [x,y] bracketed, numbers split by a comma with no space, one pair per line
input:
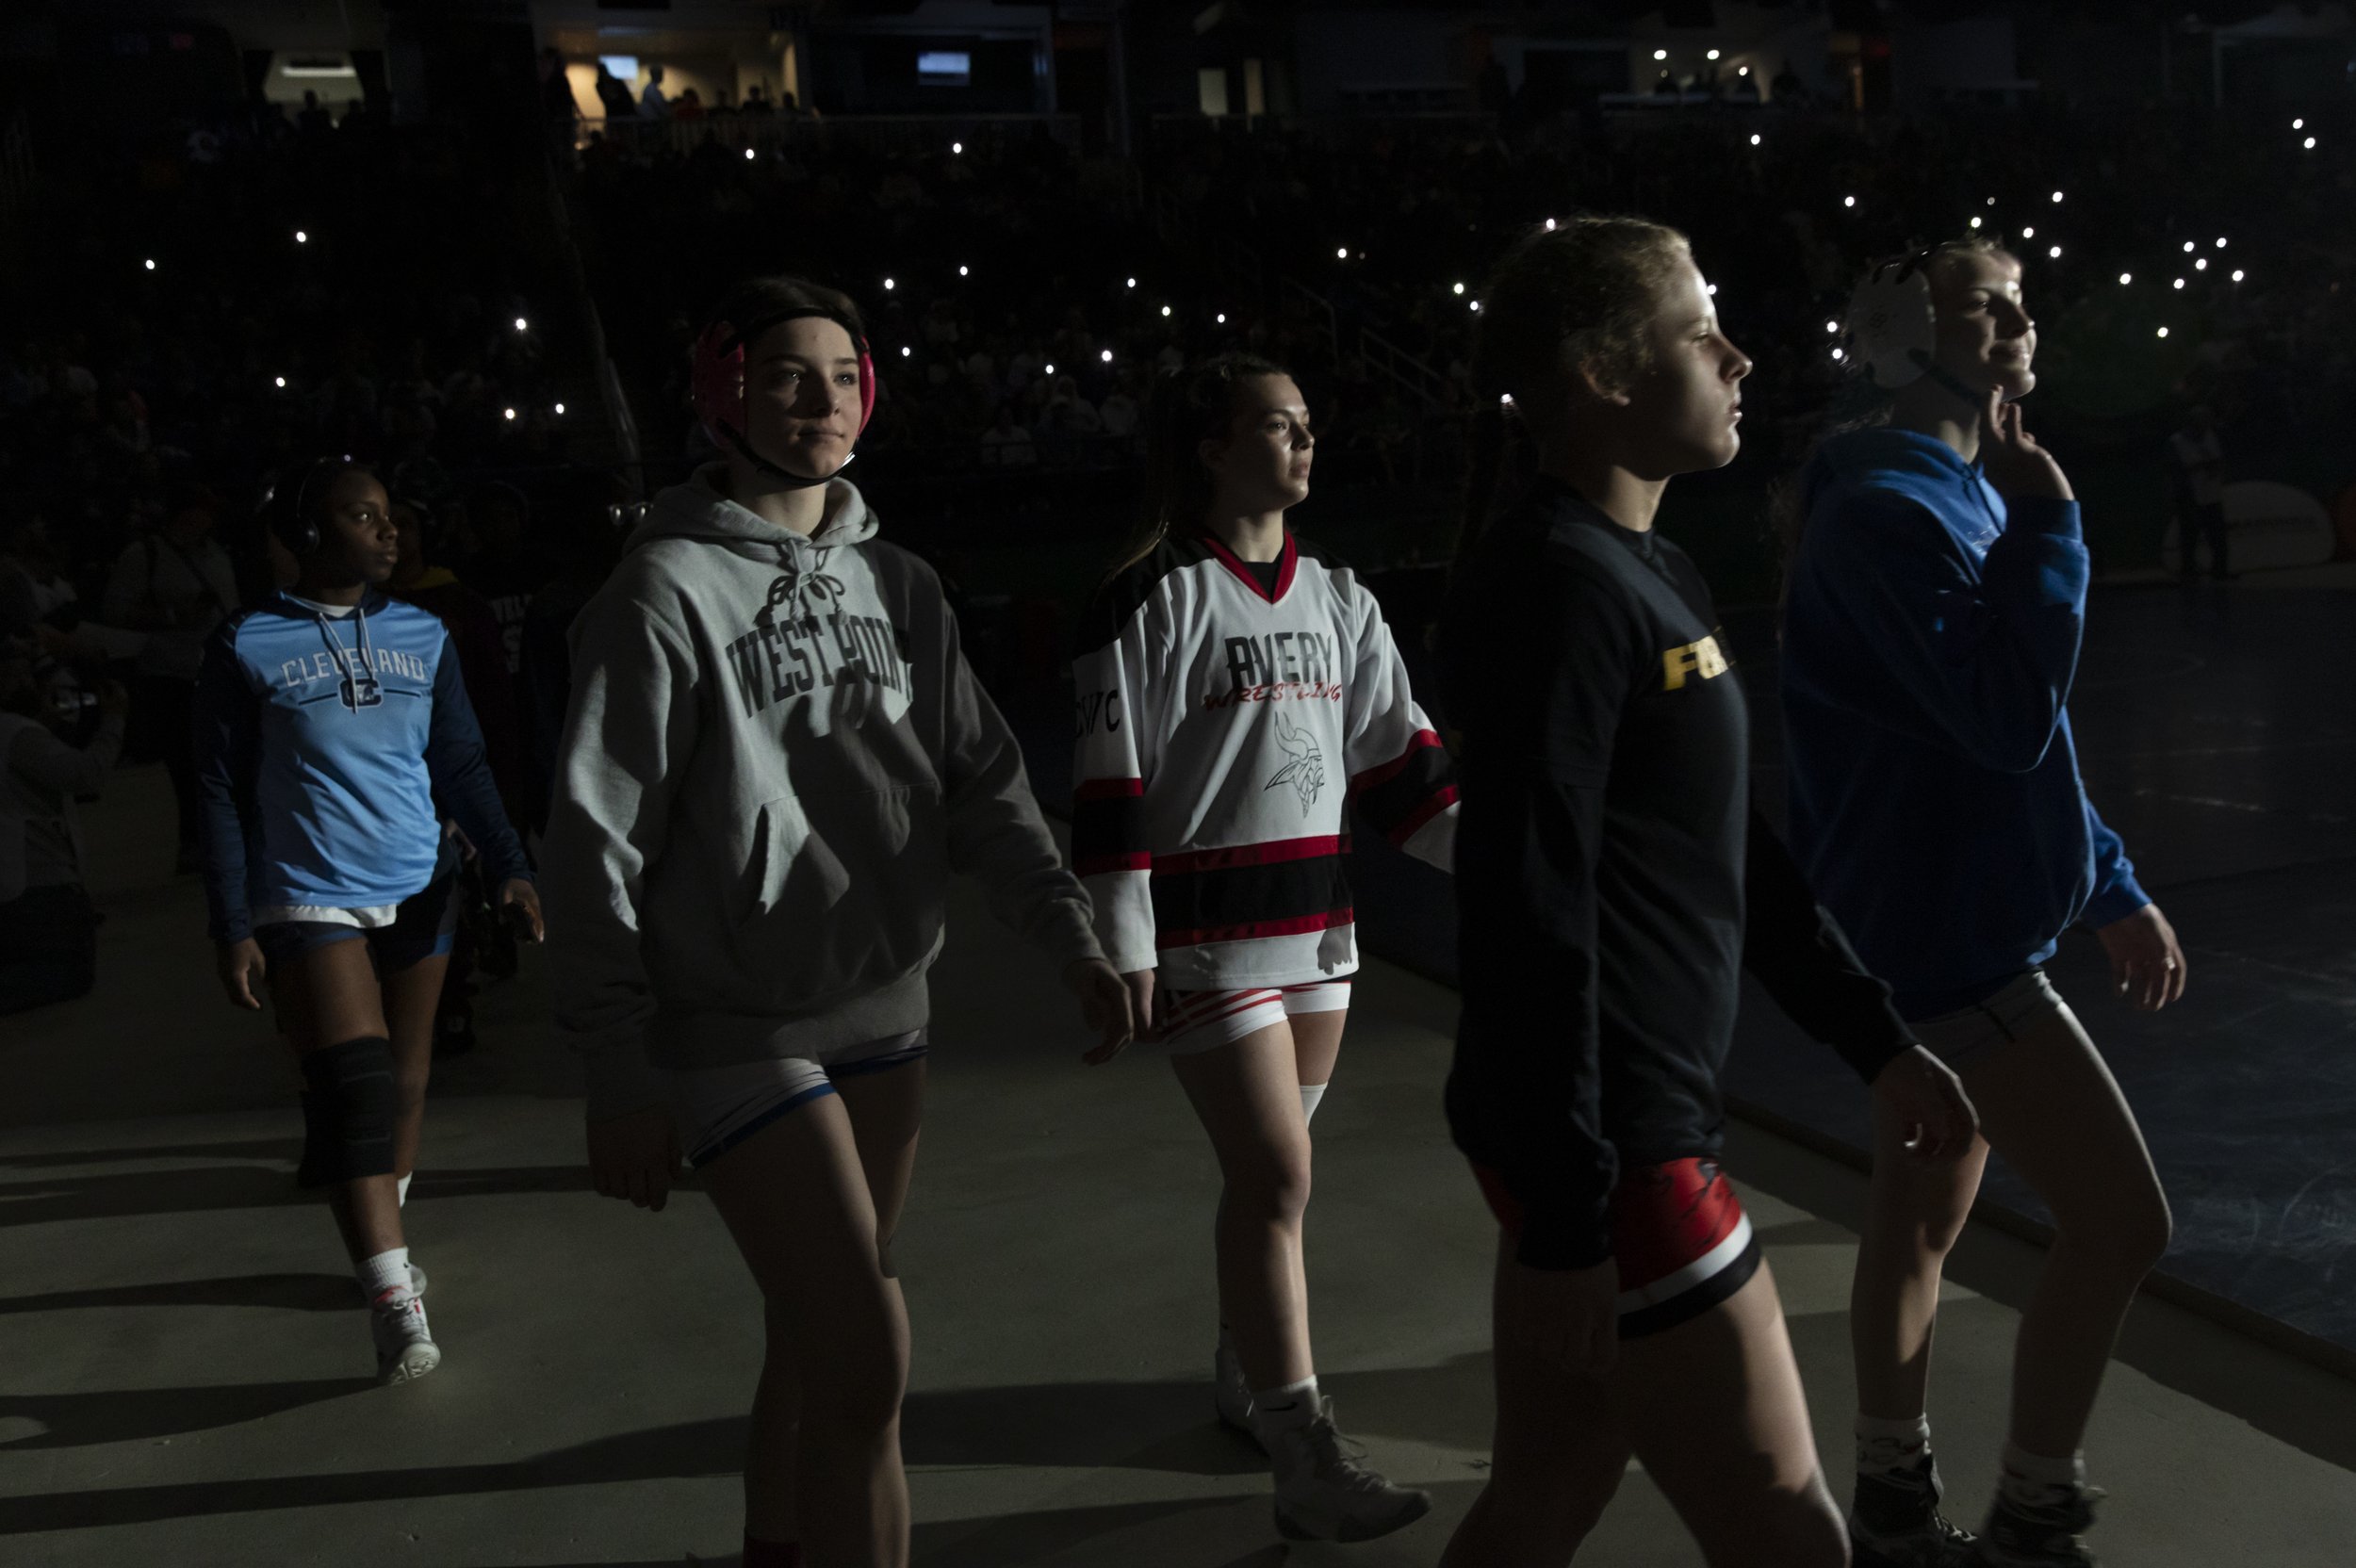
[1305,768]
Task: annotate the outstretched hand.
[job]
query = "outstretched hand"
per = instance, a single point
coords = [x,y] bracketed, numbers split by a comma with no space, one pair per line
[1105,1004]
[635,1156]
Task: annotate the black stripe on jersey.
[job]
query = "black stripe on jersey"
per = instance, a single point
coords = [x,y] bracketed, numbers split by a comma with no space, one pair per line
[1247,895]
[1109,826]
[1395,801]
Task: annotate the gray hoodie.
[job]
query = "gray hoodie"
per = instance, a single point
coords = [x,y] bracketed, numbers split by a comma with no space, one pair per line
[774,757]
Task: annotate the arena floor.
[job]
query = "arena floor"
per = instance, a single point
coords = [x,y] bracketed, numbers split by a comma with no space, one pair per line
[187,1371]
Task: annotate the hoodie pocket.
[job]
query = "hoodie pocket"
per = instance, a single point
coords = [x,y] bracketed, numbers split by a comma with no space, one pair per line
[831,906]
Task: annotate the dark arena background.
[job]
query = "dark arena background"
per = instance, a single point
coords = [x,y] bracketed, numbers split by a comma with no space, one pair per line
[471,244]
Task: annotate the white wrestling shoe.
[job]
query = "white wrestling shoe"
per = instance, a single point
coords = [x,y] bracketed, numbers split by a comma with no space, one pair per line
[1324,1492]
[404,1345]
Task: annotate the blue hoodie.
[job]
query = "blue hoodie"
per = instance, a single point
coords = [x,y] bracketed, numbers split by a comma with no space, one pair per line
[1930,638]
[322,745]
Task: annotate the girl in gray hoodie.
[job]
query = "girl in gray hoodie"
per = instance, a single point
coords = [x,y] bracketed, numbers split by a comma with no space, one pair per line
[775,758]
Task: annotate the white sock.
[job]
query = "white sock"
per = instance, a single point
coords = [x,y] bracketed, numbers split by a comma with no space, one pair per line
[1310,1095]
[1886,1447]
[386,1272]
[1282,1409]
[401,1189]
[2032,1480]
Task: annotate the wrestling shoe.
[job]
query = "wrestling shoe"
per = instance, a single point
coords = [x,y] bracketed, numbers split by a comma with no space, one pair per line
[1325,1492]
[1895,1521]
[2046,1536]
[404,1345]
[1230,1393]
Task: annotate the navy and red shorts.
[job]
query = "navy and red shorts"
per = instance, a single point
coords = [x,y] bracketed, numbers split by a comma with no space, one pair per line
[1678,1234]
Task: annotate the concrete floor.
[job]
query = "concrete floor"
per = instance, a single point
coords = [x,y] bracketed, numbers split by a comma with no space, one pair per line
[184,1366]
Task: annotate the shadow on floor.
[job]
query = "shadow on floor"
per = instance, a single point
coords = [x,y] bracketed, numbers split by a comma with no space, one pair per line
[286,1149]
[285,1292]
[69,1198]
[1066,1426]
[77,1420]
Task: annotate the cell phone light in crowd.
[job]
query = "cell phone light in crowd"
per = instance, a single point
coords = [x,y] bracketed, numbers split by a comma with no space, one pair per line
[1754,134]
[2126,278]
[1848,201]
[510,413]
[1460,288]
[1107,356]
[1165,310]
[958,148]
[2220,242]
[2028,231]
[2180,283]
[1992,201]
[1133,282]
[2188,246]
[151,264]
[1832,326]
[1550,225]
[1222,317]
[2201,265]
[2055,253]
[2298,124]
[1837,355]
[1975,223]
[2311,144]
[2238,274]
[750,155]
[1713,290]
[1341,252]
[301,237]
[560,409]
[963,271]
[522,326]
[281,381]
[906,350]
[1476,305]
[1660,54]
[1744,72]
[1712,54]
[1049,370]
[890,285]
[2163,332]
[1505,399]
[2057,196]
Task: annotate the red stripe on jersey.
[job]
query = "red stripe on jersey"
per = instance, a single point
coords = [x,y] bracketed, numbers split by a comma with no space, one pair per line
[1109,789]
[1097,865]
[1299,925]
[1286,564]
[1392,769]
[1266,854]
[1210,1007]
[1441,801]
[1664,1216]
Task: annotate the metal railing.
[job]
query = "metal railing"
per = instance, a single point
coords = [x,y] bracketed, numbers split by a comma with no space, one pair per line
[1418,380]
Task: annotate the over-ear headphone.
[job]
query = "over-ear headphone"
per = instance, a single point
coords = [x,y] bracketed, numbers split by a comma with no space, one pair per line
[1892,325]
[718,383]
[288,514]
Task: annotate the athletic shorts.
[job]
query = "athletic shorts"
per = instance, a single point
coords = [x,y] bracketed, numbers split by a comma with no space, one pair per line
[425,925]
[2027,1008]
[1205,1021]
[723,1105]
[1678,1234]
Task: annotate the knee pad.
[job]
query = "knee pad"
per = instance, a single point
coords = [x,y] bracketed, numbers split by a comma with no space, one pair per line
[348,1112]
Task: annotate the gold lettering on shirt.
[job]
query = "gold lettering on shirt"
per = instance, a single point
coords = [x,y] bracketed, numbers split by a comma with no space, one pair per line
[1701,660]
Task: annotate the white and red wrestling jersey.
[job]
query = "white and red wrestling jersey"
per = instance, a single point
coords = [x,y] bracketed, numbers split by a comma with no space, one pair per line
[1228,715]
